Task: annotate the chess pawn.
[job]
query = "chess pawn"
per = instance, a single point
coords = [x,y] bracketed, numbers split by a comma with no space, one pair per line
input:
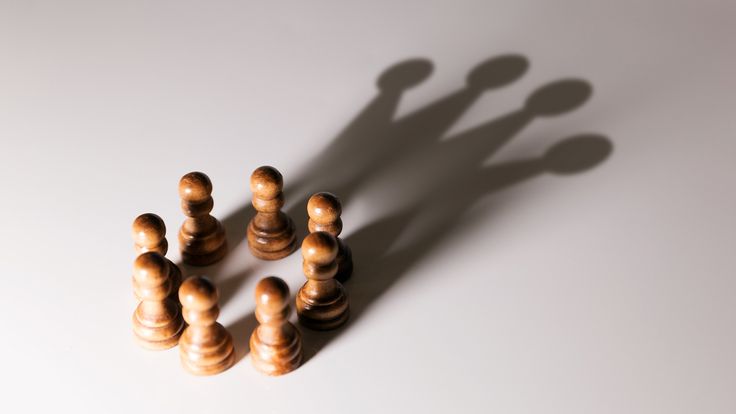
[271,233]
[206,347]
[201,237]
[149,235]
[275,345]
[321,303]
[157,320]
[324,211]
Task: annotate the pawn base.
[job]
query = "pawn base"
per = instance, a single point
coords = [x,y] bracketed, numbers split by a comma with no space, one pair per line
[275,360]
[161,337]
[273,255]
[271,237]
[324,324]
[209,352]
[158,345]
[204,259]
[205,370]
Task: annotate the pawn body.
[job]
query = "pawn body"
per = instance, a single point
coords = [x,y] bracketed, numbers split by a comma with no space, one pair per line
[271,233]
[201,237]
[324,211]
[157,320]
[149,235]
[322,302]
[276,344]
[205,347]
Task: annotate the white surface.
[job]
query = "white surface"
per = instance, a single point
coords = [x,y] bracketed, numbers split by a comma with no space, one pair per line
[607,291]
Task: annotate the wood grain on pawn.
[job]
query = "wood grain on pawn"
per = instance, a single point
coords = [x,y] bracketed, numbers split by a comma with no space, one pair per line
[324,211]
[275,345]
[149,235]
[201,237]
[206,347]
[157,320]
[321,303]
[271,233]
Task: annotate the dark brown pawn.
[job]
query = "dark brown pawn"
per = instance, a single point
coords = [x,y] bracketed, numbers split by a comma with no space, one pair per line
[321,303]
[275,345]
[205,347]
[201,237]
[271,234]
[324,211]
[157,320]
[149,235]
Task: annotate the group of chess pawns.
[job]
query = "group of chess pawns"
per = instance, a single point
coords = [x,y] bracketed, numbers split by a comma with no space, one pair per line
[173,310]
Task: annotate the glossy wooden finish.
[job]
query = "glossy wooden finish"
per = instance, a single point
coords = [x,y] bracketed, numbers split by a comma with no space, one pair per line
[276,344]
[157,320]
[201,237]
[271,233]
[149,235]
[322,302]
[206,347]
[324,211]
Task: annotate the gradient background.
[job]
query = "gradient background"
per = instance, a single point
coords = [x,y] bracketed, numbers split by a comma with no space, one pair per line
[498,270]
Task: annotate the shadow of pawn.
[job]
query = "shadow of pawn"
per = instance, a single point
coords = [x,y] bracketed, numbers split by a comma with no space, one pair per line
[577,154]
[431,122]
[453,162]
[357,147]
[241,331]
[229,286]
[376,141]
[549,100]
[385,258]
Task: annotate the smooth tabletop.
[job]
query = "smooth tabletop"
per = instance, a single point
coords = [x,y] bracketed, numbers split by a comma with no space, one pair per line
[539,196]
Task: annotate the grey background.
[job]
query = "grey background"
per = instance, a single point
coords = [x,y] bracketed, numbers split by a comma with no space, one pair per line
[517,251]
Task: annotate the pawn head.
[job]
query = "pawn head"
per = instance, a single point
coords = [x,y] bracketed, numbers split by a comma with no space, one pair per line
[150,269]
[559,97]
[578,153]
[497,72]
[319,248]
[195,187]
[266,182]
[198,293]
[149,230]
[404,75]
[272,294]
[324,208]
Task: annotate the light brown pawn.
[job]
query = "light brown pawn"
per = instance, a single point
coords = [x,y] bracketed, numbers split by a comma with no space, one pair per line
[324,211]
[201,237]
[321,303]
[275,345]
[206,347]
[271,233]
[157,320]
[149,235]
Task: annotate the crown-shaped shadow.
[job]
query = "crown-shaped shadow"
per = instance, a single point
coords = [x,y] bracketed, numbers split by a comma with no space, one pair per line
[424,181]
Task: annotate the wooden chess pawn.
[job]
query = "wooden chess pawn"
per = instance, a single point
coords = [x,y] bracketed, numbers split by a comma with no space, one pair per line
[275,345]
[206,347]
[324,211]
[157,320]
[149,235]
[271,233]
[201,237]
[321,303]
